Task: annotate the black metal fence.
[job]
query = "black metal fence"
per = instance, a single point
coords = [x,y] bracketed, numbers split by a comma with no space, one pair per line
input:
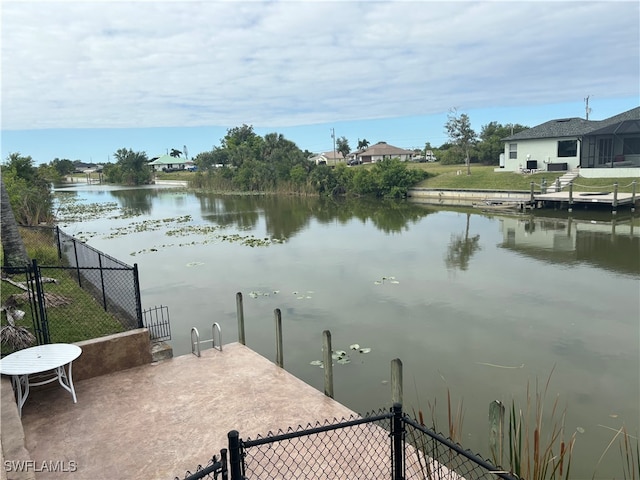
[108,300]
[112,282]
[156,319]
[386,444]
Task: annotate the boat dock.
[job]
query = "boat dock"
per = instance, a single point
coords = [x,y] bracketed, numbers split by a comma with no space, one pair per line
[161,419]
[569,198]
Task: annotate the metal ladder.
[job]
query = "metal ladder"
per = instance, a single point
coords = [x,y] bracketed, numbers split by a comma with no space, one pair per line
[195,339]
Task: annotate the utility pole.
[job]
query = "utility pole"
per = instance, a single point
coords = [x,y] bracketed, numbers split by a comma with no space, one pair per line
[586,107]
[333,137]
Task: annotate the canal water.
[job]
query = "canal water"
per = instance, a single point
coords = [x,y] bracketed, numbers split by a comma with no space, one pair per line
[479,306]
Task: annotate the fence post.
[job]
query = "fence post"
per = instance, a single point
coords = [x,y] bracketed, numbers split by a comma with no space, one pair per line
[615,198]
[75,254]
[570,196]
[397,436]
[532,197]
[235,456]
[58,242]
[136,287]
[543,185]
[633,196]
[328,363]
[104,295]
[557,185]
[279,352]
[240,315]
[44,322]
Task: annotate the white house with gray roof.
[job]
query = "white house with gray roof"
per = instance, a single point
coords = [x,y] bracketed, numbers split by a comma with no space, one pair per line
[571,143]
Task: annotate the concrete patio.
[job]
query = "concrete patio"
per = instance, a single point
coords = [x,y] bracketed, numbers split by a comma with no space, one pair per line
[159,420]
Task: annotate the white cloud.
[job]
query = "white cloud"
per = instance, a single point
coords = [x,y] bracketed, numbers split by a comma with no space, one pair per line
[139,64]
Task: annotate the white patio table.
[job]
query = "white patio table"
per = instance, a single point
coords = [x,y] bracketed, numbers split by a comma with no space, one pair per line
[51,358]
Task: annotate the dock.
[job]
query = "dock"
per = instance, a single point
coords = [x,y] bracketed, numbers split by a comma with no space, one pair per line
[162,419]
[587,198]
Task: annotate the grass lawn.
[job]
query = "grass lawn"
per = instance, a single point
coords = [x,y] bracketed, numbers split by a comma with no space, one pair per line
[81,317]
[485,178]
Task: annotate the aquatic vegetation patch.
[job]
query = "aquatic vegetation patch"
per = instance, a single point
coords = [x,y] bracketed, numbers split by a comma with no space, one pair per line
[341,357]
[71,210]
[391,280]
[247,240]
[146,226]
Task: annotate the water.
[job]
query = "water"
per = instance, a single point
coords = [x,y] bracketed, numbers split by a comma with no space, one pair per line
[475,304]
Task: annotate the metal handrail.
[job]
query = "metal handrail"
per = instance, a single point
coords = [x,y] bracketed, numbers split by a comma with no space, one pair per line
[195,339]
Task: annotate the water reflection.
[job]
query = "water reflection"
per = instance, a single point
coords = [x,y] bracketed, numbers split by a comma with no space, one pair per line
[136,202]
[461,248]
[613,245]
[284,217]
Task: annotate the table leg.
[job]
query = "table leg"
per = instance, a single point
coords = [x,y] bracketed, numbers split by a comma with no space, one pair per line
[66,381]
[18,382]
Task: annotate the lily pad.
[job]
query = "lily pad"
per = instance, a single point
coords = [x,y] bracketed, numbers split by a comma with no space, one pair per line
[317,363]
[344,360]
[355,346]
[364,350]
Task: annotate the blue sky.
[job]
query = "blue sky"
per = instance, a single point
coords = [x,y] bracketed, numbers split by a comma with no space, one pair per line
[83,79]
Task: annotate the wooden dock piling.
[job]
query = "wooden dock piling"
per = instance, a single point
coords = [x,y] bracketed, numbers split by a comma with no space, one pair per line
[279,351]
[327,359]
[240,315]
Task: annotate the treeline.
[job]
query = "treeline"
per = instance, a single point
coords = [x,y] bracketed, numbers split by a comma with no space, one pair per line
[28,189]
[485,147]
[247,162]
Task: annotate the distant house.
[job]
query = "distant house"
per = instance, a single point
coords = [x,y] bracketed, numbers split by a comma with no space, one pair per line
[328,158]
[169,163]
[81,167]
[569,143]
[381,151]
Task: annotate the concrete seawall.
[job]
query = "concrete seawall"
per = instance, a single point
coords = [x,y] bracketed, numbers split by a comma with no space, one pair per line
[452,197]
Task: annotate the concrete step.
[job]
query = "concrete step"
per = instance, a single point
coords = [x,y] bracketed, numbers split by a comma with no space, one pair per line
[565,180]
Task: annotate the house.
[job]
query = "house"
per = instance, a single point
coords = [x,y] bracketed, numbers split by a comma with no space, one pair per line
[381,151]
[81,167]
[570,143]
[169,163]
[328,158]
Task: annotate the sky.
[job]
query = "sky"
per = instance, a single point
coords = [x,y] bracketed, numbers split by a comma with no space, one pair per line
[80,80]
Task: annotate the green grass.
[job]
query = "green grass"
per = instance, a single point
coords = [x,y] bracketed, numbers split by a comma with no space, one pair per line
[82,318]
[485,178]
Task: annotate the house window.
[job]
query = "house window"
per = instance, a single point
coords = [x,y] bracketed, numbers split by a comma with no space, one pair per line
[631,146]
[513,150]
[568,148]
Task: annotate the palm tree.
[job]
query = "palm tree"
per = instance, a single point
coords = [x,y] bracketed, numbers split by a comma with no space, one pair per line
[363,144]
[15,253]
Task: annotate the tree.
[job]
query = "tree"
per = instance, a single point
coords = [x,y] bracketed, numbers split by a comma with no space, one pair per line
[242,144]
[458,127]
[132,168]
[491,145]
[28,190]
[63,166]
[363,144]
[15,253]
[342,146]
[175,153]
